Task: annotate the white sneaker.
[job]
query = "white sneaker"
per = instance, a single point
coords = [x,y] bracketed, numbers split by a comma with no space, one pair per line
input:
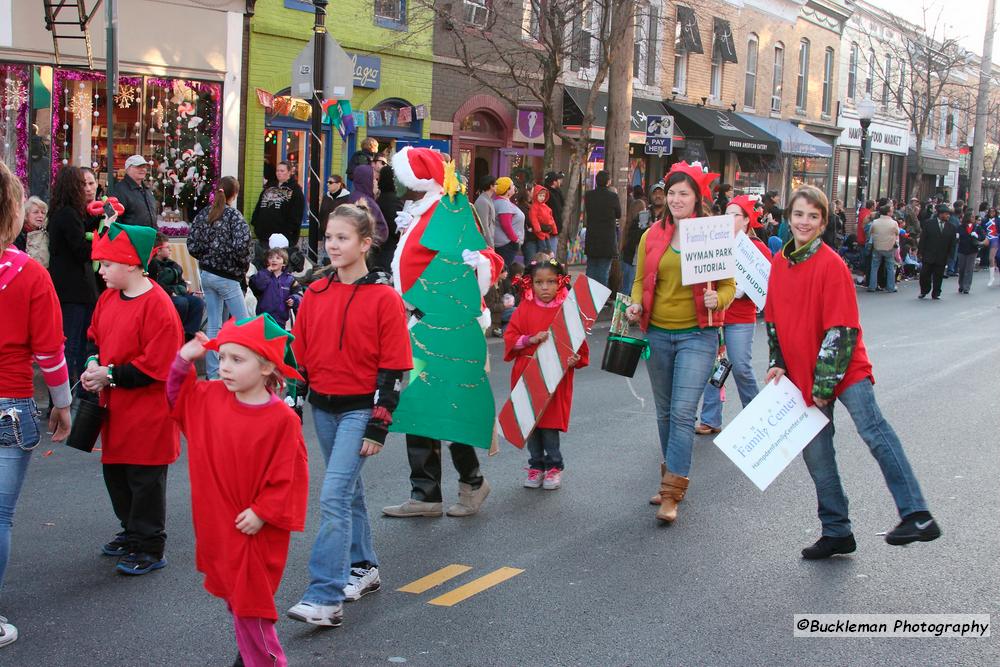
[361,583]
[8,633]
[331,616]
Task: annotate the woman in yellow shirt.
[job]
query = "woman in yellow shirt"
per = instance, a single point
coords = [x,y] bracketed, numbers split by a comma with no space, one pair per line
[675,317]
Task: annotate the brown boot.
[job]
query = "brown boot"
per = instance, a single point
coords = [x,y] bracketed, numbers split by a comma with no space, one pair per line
[655,500]
[672,489]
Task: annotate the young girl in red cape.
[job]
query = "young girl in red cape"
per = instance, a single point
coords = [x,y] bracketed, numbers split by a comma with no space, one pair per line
[544,287]
[249,472]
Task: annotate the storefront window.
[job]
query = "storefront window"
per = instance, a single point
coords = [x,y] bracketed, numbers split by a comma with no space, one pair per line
[811,171]
[14,105]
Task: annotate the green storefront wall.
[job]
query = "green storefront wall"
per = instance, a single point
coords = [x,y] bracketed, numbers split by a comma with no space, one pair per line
[279,31]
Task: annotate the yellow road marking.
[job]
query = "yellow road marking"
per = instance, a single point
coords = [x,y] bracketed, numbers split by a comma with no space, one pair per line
[475,586]
[434,579]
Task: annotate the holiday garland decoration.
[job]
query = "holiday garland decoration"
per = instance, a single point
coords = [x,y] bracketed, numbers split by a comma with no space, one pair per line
[14,119]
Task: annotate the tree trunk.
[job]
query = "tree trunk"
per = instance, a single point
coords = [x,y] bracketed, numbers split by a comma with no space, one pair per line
[571,209]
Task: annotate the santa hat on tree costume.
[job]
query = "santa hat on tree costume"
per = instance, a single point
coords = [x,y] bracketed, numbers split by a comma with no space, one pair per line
[126,244]
[264,336]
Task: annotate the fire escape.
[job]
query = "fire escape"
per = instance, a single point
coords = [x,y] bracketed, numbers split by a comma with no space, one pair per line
[55,17]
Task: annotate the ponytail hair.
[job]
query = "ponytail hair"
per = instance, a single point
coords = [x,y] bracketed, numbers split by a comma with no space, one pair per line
[11,200]
[228,188]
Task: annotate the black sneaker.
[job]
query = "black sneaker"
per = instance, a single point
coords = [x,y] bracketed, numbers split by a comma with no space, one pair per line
[829,546]
[916,527]
[140,563]
[922,296]
[117,547]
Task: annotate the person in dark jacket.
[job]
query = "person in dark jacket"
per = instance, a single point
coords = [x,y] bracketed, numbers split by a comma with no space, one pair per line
[390,205]
[364,194]
[554,181]
[170,276]
[70,264]
[277,292]
[336,194]
[220,240]
[635,228]
[279,209]
[135,195]
[969,243]
[602,209]
[365,156]
[936,242]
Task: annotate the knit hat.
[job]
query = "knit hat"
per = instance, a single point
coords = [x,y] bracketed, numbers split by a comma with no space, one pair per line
[749,204]
[277,241]
[700,174]
[504,184]
[420,169]
[262,335]
[126,244]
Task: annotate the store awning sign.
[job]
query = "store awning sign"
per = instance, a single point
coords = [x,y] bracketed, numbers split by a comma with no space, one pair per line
[530,122]
[659,135]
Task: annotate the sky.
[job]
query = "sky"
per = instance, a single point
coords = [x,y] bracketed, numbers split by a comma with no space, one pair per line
[966,25]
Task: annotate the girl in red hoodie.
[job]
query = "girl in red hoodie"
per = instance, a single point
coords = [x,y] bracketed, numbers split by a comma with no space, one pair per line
[542,223]
[545,287]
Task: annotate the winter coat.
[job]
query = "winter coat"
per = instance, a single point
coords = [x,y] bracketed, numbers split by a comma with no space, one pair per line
[329,205]
[487,216]
[223,247]
[603,209]
[69,258]
[543,225]
[139,203]
[169,275]
[359,158]
[273,291]
[279,211]
[557,203]
[364,191]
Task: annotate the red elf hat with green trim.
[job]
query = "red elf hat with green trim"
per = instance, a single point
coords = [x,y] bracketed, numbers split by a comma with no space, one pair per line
[265,337]
[125,244]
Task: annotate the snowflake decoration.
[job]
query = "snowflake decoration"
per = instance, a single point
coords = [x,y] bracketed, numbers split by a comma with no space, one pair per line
[15,94]
[126,96]
[81,105]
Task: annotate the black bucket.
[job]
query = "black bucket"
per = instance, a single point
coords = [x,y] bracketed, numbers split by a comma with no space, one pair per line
[622,354]
[86,425]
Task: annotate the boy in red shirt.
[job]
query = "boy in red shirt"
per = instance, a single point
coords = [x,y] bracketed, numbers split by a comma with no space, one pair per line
[135,333]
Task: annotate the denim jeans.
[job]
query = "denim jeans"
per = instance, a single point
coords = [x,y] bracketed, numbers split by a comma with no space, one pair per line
[882,441]
[628,277]
[191,310]
[599,268]
[543,449]
[18,437]
[220,292]
[953,260]
[679,366]
[509,253]
[739,344]
[878,257]
[345,534]
[76,320]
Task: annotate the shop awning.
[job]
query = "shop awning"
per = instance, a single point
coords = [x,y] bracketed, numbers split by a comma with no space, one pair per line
[794,140]
[690,38]
[721,130]
[933,163]
[575,100]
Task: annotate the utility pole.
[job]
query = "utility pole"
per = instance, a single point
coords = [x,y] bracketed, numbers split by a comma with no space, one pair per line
[111,89]
[979,139]
[316,146]
[620,56]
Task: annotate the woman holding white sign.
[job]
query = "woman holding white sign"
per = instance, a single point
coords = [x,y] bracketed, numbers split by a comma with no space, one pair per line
[676,318]
[814,336]
[741,321]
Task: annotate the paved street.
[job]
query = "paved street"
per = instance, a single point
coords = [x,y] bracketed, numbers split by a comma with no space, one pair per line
[602,583]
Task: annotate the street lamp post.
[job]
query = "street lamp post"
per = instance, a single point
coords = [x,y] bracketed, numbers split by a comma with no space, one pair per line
[866,110]
[316,184]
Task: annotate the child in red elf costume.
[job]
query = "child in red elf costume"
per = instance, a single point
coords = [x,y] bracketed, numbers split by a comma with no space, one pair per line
[249,472]
[545,287]
[135,332]
[543,224]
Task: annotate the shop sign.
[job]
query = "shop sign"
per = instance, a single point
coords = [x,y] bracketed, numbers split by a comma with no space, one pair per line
[367,70]
[659,135]
[884,138]
[530,123]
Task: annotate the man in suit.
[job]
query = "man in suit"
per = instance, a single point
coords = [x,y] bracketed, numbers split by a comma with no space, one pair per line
[602,209]
[936,242]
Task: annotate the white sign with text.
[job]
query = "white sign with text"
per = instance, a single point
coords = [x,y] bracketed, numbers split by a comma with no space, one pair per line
[706,249]
[752,269]
[770,432]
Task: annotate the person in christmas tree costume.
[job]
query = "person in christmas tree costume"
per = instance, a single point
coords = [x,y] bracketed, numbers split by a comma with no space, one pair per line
[442,268]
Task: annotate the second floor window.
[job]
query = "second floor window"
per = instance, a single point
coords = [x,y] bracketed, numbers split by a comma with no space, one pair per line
[852,73]
[477,12]
[902,85]
[715,85]
[827,81]
[870,80]
[777,77]
[802,84]
[646,36]
[392,10]
[750,84]
[887,87]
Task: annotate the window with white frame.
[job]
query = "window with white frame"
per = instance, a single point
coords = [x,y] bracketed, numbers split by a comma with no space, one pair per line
[750,81]
[943,125]
[652,44]
[680,62]
[641,47]
[802,83]
[887,84]
[477,12]
[391,10]
[827,81]
[777,76]
[535,19]
[715,81]
[870,79]
[902,85]
[852,72]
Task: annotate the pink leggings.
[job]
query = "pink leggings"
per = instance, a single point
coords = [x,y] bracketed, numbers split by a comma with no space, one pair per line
[258,642]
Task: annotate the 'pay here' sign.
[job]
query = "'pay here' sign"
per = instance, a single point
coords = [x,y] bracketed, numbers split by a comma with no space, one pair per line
[706,249]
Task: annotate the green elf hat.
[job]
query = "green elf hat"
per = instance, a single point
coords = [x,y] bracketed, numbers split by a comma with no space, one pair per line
[265,337]
[125,244]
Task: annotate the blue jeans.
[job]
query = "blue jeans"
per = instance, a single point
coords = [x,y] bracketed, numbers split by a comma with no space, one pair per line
[889,257]
[345,534]
[679,366]
[191,310]
[628,277]
[543,449]
[18,437]
[882,441]
[599,268]
[534,246]
[220,292]
[509,253]
[739,344]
